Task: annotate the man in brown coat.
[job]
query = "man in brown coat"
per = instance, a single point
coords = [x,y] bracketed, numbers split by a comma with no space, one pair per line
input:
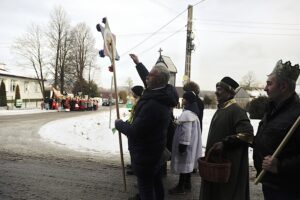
[230,132]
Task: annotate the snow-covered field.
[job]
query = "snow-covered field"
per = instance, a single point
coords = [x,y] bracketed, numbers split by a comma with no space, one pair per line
[92,134]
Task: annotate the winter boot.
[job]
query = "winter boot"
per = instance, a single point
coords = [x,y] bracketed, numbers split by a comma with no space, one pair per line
[188,183]
[179,188]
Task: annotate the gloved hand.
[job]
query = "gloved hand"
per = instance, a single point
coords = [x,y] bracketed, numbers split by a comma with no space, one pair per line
[118,123]
[182,148]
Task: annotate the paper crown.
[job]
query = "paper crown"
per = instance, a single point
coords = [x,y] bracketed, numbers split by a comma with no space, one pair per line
[286,70]
[228,83]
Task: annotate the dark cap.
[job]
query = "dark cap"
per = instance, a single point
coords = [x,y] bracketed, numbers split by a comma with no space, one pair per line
[286,70]
[190,96]
[137,90]
[228,83]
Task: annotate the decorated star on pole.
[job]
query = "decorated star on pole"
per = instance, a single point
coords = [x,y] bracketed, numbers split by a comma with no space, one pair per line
[110,51]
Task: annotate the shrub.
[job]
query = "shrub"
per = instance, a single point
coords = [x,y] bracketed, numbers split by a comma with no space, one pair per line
[17,96]
[257,107]
[3,100]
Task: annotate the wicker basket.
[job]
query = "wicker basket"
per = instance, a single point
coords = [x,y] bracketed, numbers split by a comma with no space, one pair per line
[217,172]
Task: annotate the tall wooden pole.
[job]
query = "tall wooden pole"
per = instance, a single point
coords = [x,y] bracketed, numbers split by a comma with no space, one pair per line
[189,45]
[117,109]
[110,100]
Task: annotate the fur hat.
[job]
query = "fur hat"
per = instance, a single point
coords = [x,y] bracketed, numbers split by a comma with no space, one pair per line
[137,90]
[286,70]
[229,84]
[190,96]
[192,86]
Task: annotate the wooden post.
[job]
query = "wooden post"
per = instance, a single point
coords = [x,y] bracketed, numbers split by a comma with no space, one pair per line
[117,109]
[189,48]
[110,99]
[280,147]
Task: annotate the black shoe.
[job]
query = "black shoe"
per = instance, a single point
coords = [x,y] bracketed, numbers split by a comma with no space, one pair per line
[177,190]
[129,172]
[136,197]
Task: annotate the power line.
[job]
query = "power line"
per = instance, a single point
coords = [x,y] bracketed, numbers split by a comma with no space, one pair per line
[138,34]
[161,41]
[153,33]
[159,29]
[198,2]
[249,26]
[251,22]
[252,33]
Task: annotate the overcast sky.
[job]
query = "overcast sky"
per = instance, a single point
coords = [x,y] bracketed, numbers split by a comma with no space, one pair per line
[232,37]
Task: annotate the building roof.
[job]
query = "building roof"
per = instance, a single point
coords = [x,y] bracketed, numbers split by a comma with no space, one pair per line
[242,93]
[166,60]
[257,93]
[4,72]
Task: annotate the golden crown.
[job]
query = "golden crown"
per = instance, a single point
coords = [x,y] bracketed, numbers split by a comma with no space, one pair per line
[287,70]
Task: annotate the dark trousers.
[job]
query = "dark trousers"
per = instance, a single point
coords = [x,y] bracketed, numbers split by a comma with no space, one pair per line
[150,185]
[277,194]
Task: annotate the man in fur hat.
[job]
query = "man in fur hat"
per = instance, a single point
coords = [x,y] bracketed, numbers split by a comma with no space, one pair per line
[282,179]
[230,134]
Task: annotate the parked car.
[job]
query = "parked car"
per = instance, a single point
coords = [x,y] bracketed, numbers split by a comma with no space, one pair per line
[107,102]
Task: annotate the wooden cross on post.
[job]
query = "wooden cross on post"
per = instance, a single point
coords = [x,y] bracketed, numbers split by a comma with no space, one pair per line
[110,50]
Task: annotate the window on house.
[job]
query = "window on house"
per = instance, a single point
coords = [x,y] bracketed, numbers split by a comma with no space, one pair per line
[37,87]
[13,85]
[26,87]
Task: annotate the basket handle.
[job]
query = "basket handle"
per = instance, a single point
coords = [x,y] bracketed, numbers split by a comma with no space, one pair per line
[208,156]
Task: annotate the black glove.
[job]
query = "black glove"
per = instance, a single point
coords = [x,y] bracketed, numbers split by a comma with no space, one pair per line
[182,148]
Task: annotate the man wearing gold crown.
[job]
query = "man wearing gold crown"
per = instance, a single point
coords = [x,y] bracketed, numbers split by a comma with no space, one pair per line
[282,178]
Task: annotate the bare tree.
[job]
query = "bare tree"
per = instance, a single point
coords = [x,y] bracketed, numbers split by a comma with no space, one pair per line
[29,46]
[83,51]
[129,83]
[249,81]
[60,45]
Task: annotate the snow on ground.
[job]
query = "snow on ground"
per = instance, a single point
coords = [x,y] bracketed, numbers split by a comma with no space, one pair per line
[91,133]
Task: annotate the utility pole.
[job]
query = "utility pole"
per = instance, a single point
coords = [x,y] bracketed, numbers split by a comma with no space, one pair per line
[189,46]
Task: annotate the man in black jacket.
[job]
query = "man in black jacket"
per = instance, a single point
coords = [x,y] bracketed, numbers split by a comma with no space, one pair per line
[147,132]
[281,180]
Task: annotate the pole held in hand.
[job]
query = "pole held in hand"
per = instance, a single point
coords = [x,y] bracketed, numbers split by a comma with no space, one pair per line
[279,148]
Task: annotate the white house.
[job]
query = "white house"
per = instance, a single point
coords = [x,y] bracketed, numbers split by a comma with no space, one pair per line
[30,91]
[243,97]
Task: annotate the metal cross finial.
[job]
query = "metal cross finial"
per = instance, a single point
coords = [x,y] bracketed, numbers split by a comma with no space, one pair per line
[160,50]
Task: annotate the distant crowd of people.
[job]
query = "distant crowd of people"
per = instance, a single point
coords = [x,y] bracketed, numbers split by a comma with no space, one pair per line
[155,137]
[69,104]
